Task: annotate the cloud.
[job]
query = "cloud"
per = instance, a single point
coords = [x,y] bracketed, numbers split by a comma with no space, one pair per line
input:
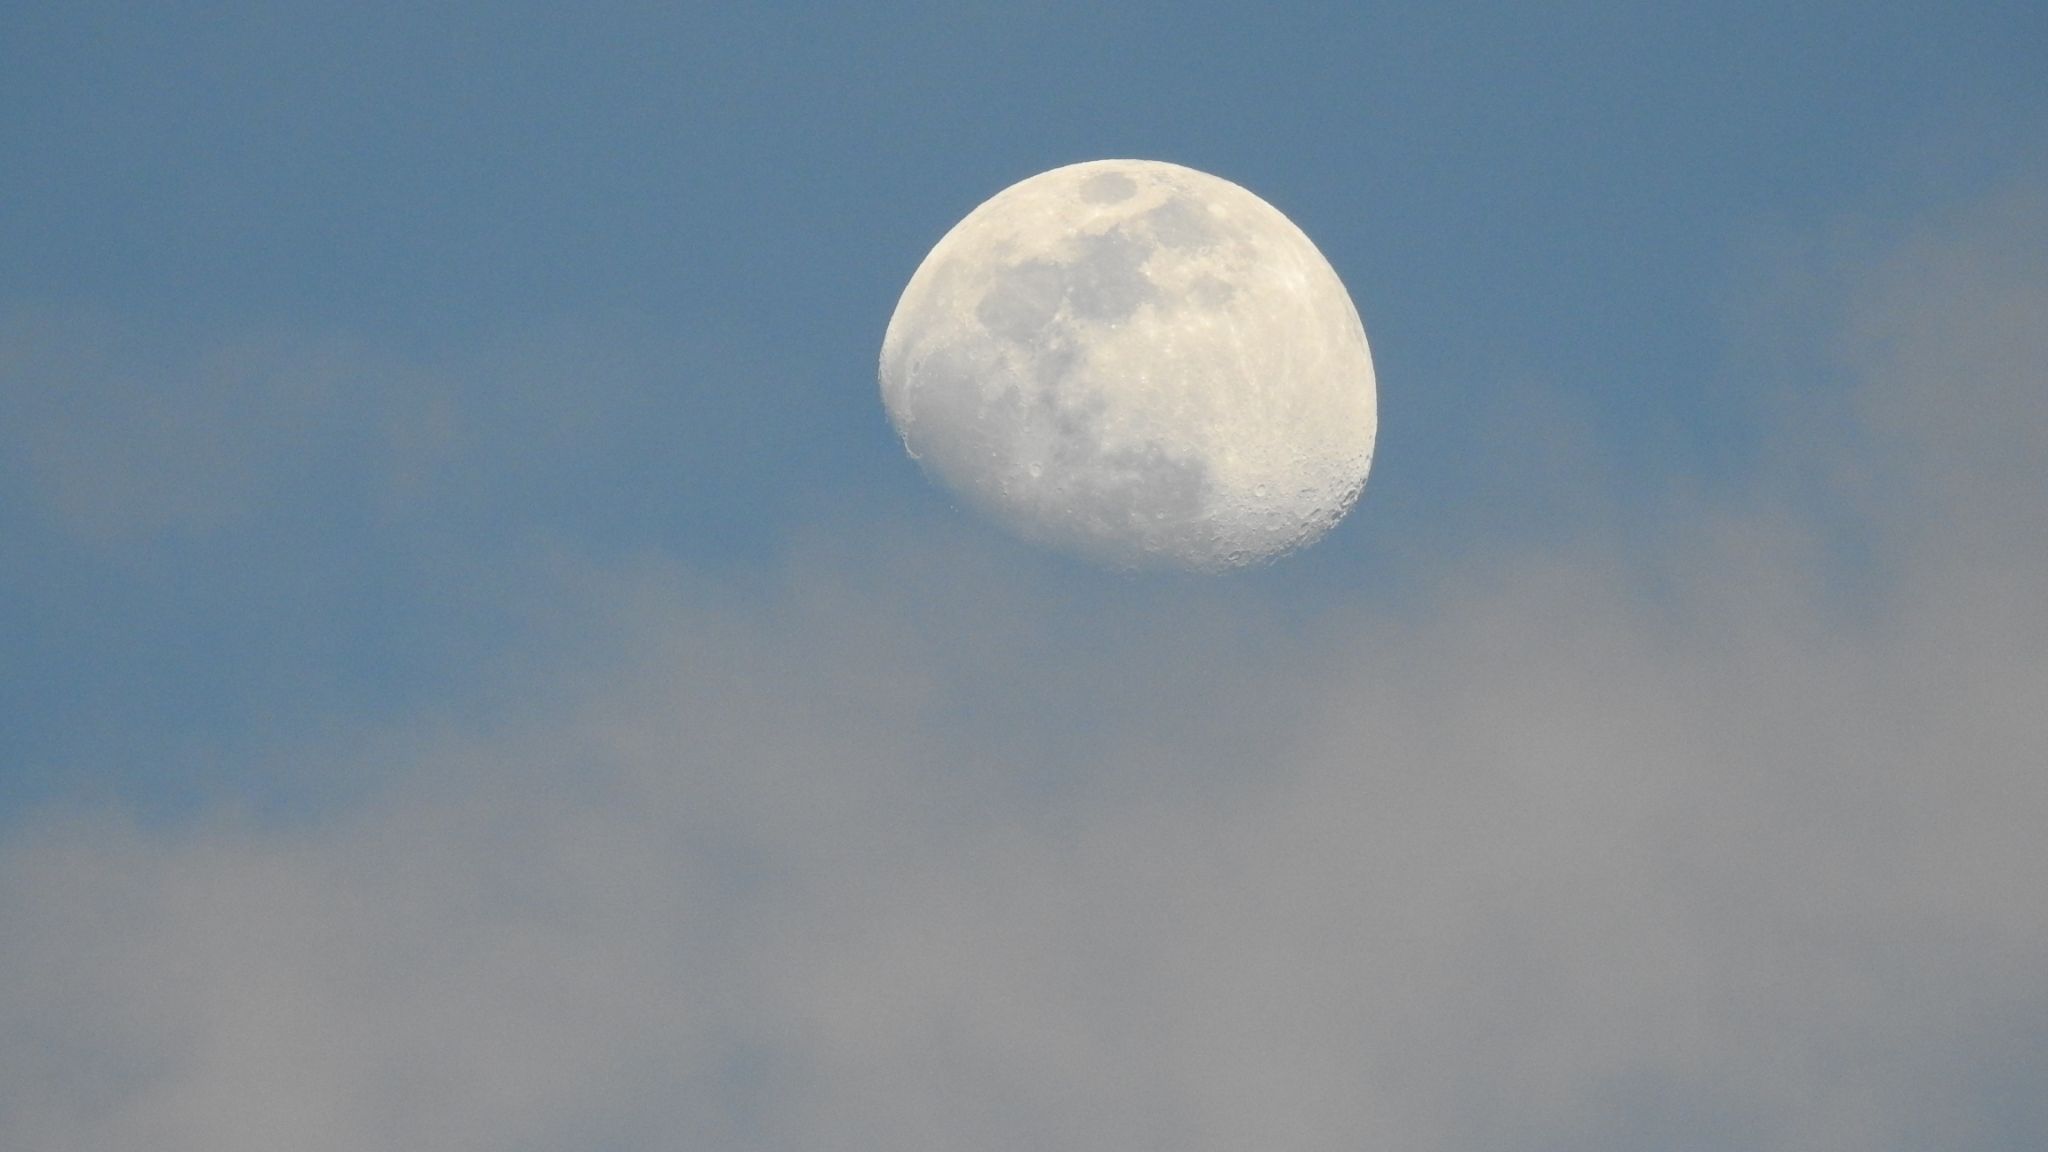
[123,436]
[118,435]
[1714,842]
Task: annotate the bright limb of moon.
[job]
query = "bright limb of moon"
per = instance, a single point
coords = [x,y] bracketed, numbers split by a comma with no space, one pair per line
[1137,362]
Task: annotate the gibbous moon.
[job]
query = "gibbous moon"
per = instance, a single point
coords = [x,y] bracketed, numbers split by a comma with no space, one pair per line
[1137,362]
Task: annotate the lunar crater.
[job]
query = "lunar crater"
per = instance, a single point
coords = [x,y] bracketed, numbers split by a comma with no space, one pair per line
[1181,223]
[1107,188]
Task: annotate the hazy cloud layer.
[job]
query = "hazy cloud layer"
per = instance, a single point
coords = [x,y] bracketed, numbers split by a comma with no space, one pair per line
[1721,842]
[118,435]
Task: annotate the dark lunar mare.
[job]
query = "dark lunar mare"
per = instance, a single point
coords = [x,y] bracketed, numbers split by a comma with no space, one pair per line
[1041,310]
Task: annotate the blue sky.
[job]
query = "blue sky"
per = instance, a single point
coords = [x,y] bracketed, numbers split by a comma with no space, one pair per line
[681,231]
[460,426]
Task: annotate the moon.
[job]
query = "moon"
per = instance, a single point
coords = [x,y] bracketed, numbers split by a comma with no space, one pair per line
[1139,363]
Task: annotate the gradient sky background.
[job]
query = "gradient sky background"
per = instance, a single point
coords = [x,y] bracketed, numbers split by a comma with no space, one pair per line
[477,670]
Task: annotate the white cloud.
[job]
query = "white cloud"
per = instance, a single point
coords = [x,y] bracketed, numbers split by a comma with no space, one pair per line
[911,851]
[118,436]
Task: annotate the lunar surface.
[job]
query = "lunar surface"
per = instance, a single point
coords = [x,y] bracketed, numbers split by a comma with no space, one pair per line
[1137,362]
